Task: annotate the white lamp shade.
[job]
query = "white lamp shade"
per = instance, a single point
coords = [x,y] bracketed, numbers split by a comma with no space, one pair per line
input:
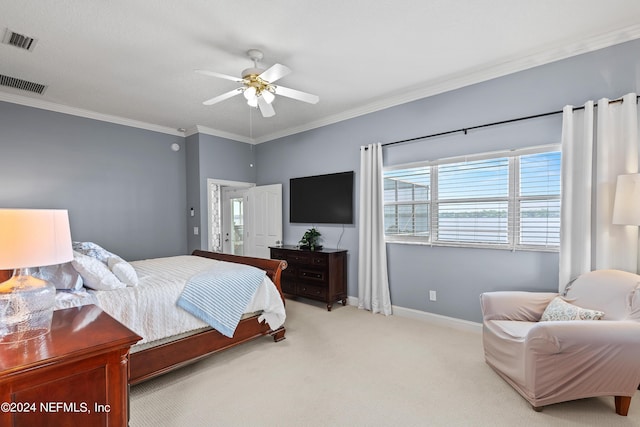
[34,238]
[626,207]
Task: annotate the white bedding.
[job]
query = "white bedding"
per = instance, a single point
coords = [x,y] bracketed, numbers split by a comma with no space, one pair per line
[150,309]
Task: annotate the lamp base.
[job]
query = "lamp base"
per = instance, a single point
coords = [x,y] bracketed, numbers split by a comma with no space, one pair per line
[26,307]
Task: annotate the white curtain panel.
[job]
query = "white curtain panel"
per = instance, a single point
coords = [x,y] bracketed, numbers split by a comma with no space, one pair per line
[588,239]
[373,281]
[617,154]
[576,178]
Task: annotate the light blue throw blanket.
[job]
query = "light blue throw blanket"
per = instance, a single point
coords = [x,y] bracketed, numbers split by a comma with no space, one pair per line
[220,296]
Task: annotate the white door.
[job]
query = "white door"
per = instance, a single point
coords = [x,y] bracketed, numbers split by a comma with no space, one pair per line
[263,226]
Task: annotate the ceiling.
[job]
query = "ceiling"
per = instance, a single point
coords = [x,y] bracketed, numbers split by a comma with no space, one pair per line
[133,61]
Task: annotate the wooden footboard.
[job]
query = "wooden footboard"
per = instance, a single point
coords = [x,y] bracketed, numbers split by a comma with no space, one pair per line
[151,362]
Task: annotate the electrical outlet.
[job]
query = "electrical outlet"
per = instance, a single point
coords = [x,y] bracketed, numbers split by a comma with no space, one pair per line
[432,295]
[195,230]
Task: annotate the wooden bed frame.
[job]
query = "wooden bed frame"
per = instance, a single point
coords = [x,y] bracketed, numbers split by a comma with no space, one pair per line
[154,361]
[151,362]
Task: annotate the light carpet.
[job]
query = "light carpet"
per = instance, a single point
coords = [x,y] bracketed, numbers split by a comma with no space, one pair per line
[349,367]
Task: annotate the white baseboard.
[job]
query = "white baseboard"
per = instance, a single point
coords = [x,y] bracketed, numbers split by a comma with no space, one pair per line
[433,318]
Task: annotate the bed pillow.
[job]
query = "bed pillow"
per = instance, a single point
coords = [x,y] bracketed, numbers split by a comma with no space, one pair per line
[62,276]
[96,275]
[559,309]
[123,270]
[93,250]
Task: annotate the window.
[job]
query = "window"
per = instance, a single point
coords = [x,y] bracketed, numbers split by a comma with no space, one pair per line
[406,207]
[501,200]
[538,200]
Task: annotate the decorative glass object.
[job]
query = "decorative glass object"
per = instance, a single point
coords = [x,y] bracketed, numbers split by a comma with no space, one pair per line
[30,238]
[26,307]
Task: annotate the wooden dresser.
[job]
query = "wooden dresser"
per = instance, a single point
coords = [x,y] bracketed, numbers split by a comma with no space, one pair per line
[320,275]
[76,375]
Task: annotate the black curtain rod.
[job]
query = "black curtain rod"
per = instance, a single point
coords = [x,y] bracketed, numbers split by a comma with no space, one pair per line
[465,130]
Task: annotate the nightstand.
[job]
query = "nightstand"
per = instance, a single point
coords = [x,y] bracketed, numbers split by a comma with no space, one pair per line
[75,375]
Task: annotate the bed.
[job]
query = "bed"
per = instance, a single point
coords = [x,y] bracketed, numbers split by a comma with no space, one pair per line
[186,338]
[158,359]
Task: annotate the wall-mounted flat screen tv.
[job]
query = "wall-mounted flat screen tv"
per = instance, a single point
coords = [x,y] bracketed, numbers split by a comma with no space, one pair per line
[322,199]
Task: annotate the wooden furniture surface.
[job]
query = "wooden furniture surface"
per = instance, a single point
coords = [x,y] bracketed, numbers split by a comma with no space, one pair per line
[5,275]
[76,375]
[320,274]
[149,363]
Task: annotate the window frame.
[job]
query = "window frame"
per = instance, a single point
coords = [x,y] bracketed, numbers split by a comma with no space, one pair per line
[397,203]
[513,199]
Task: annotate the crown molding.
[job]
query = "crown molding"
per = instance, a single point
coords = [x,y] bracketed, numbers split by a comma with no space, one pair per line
[505,66]
[59,108]
[219,133]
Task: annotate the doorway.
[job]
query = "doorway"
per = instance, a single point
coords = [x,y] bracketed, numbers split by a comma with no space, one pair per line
[233,220]
[243,219]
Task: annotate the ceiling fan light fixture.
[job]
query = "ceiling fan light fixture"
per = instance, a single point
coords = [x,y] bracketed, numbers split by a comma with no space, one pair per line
[253,102]
[250,93]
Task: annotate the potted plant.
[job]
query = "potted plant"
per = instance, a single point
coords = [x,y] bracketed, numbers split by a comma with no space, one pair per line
[310,240]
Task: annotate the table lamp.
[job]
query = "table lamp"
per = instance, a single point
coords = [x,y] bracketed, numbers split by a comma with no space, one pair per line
[30,238]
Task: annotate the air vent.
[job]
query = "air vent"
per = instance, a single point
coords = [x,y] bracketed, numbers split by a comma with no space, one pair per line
[19,40]
[22,84]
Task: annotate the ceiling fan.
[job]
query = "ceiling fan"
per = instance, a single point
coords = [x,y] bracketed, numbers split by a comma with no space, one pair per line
[257,86]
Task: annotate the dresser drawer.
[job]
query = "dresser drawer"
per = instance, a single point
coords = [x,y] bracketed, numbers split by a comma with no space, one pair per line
[278,254]
[292,258]
[313,275]
[318,260]
[312,291]
[299,258]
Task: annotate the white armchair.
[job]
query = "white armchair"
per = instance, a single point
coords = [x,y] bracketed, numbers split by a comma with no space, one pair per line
[555,361]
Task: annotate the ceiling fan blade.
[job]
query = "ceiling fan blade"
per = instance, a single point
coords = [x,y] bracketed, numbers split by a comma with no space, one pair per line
[296,94]
[274,73]
[265,108]
[224,96]
[222,76]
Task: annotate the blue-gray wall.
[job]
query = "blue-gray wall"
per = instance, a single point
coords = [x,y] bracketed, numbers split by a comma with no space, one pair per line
[124,187]
[212,157]
[458,275]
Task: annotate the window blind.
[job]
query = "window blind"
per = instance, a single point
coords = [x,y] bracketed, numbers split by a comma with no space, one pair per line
[507,200]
